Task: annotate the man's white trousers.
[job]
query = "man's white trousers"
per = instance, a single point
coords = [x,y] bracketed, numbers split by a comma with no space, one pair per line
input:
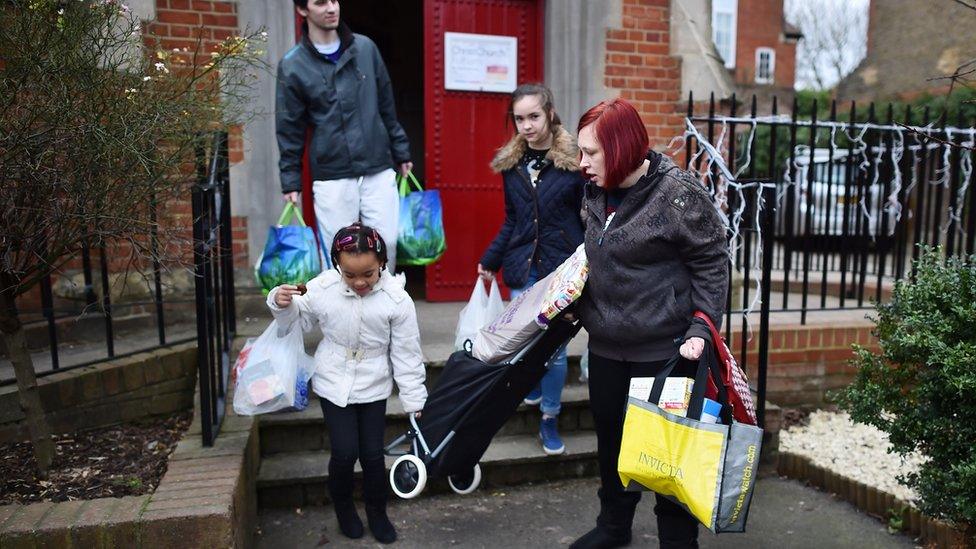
[372,199]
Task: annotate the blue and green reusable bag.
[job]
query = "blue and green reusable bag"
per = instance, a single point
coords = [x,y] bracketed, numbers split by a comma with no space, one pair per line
[290,254]
[420,235]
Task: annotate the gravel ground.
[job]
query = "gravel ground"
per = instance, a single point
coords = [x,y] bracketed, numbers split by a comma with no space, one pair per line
[860,452]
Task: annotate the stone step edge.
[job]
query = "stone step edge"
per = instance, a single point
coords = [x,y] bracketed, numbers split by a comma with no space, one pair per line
[873,501]
[574,396]
[579,445]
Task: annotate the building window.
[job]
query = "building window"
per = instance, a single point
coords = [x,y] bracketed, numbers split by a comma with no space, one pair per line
[765,65]
[723,29]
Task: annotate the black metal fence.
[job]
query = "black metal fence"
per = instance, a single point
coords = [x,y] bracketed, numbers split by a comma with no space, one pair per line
[211,308]
[827,214]
[213,267]
[97,307]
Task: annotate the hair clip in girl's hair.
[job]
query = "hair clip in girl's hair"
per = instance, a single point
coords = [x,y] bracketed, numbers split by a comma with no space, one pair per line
[379,242]
[357,238]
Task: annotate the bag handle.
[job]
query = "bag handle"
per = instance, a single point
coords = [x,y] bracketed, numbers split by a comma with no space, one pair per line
[711,325]
[404,183]
[722,392]
[726,376]
[288,213]
[706,365]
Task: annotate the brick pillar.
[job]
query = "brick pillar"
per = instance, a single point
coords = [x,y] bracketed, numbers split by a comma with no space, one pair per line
[639,64]
[181,24]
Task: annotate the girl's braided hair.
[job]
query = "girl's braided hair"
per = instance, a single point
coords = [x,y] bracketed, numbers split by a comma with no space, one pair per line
[358,239]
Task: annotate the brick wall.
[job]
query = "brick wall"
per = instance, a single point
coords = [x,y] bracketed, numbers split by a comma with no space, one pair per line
[938,48]
[760,24]
[640,66]
[178,24]
[181,24]
[806,362]
[205,499]
[151,384]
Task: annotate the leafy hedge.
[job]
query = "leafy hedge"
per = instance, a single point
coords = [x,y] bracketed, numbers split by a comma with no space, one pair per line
[921,388]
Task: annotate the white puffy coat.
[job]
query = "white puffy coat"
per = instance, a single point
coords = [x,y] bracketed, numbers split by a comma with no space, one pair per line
[367,341]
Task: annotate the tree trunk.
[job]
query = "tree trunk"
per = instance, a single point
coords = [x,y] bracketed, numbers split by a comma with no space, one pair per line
[30,397]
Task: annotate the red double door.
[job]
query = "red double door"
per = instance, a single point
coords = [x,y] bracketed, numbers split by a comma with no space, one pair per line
[462,130]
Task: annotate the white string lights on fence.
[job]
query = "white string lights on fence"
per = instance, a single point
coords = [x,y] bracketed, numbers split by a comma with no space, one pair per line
[966,173]
[722,180]
[727,180]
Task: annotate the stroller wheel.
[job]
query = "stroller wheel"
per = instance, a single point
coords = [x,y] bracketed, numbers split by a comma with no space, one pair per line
[408,476]
[466,483]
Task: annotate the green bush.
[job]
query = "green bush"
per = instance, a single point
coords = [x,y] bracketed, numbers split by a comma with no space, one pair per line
[921,388]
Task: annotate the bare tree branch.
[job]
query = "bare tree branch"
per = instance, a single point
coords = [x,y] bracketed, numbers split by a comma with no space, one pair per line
[95,127]
[833,41]
[963,3]
[933,139]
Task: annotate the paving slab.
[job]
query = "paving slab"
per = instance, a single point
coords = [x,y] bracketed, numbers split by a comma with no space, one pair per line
[785,514]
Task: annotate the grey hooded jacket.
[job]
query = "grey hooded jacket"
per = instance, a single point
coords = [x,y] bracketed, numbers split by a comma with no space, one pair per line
[662,257]
[348,105]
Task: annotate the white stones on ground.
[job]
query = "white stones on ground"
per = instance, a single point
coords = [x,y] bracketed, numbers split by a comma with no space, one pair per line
[857,451]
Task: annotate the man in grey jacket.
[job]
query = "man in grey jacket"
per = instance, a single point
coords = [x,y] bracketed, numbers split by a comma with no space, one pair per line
[335,84]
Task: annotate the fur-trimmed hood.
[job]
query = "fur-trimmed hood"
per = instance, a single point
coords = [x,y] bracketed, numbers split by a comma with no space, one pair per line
[563,153]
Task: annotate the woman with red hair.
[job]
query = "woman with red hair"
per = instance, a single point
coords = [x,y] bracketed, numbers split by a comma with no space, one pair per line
[658,253]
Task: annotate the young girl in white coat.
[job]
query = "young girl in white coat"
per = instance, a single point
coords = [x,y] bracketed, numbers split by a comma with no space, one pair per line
[370,339]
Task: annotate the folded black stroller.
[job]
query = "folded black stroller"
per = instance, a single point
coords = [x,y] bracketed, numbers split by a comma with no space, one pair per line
[471,402]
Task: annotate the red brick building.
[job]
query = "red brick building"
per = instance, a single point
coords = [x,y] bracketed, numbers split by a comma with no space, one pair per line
[758,46]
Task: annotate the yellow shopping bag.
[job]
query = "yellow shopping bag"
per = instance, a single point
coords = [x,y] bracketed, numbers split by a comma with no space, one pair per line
[709,468]
[663,453]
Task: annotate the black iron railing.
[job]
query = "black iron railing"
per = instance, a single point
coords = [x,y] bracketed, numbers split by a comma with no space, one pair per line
[826,213]
[213,268]
[213,301]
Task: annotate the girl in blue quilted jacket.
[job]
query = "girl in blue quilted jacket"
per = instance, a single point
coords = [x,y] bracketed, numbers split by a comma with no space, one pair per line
[543,195]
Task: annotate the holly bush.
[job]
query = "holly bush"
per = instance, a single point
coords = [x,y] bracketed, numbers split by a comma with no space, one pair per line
[921,388]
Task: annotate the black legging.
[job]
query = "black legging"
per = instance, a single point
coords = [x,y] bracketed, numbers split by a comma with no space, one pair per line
[609,385]
[356,432]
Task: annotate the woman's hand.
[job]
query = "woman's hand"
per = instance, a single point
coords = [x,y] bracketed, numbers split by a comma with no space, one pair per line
[485,273]
[417,414]
[692,348]
[285,294]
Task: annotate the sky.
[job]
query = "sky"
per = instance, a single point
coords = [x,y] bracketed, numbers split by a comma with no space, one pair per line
[835,39]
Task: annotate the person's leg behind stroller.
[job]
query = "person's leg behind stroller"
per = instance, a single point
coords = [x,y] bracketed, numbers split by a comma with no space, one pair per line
[551,391]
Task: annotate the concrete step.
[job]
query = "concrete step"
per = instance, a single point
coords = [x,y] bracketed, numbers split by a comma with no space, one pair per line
[299,478]
[305,431]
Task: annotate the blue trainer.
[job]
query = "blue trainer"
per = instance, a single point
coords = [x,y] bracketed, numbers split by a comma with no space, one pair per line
[552,445]
[534,397]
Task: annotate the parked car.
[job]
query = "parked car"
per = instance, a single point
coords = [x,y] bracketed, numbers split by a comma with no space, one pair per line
[831,212]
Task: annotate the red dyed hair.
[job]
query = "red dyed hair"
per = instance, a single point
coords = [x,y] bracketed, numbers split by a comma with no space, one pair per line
[622,136]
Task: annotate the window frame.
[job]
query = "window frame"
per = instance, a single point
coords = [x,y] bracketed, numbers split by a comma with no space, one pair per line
[771,77]
[730,7]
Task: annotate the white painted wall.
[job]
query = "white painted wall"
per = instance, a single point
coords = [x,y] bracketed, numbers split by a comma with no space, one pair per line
[255,186]
[575,40]
[702,71]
